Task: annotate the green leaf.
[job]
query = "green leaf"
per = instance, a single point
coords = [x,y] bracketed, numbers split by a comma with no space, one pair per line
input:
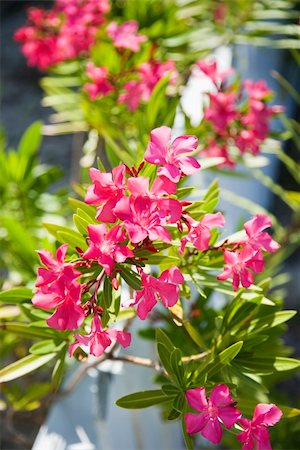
[132,278]
[66,235]
[177,366]
[170,389]
[187,438]
[107,293]
[222,359]
[194,335]
[266,365]
[165,356]
[142,399]
[59,369]
[162,338]
[81,224]
[16,295]
[270,320]
[45,347]
[29,331]
[78,204]
[24,366]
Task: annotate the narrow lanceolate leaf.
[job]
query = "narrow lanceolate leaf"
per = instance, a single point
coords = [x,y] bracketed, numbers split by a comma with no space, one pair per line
[165,358]
[194,335]
[16,295]
[24,366]
[270,320]
[267,365]
[162,338]
[131,278]
[222,359]
[142,399]
[59,369]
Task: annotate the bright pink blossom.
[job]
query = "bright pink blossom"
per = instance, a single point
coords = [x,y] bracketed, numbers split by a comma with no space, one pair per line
[61,33]
[56,268]
[255,430]
[257,238]
[238,266]
[209,68]
[105,247]
[199,233]
[125,35]
[221,111]
[218,408]
[215,150]
[165,288]
[107,189]
[169,209]
[100,84]
[65,296]
[172,156]
[257,90]
[141,218]
[148,75]
[99,339]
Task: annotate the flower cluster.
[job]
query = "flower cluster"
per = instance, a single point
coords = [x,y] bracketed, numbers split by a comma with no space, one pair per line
[237,116]
[61,33]
[246,255]
[220,409]
[133,92]
[136,213]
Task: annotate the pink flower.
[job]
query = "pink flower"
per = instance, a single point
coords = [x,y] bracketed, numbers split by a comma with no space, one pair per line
[133,94]
[257,90]
[149,74]
[255,430]
[125,35]
[98,339]
[164,287]
[65,296]
[218,408]
[56,268]
[213,149]
[104,246]
[199,233]
[141,218]
[172,157]
[257,238]
[169,209]
[238,265]
[152,72]
[221,111]
[209,68]
[100,85]
[107,189]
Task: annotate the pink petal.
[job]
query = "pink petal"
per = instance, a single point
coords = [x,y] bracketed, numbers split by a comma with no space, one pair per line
[61,253]
[122,337]
[172,275]
[159,233]
[188,165]
[146,304]
[267,414]
[121,253]
[138,186]
[169,294]
[47,259]
[97,233]
[68,316]
[184,144]
[170,171]
[118,174]
[162,185]
[105,212]
[229,415]
[263,439]
[212,431]
[195,422]
[98,343]
[45,276]
[197,398]
[213,220]
[157,148]
[220,396]
[136,233]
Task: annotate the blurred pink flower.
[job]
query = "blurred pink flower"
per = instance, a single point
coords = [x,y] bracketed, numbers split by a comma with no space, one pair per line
[125,35]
